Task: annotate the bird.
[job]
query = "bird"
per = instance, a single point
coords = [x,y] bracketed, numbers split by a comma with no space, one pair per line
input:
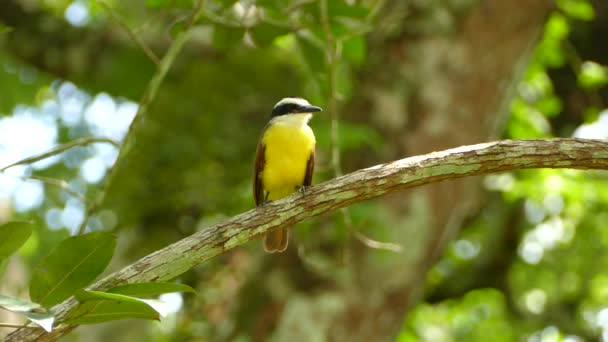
[285,160]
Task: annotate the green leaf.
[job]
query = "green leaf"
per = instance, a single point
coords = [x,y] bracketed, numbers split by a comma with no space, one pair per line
[355,50]
[44,319]
[557,26]
[150,289]
[225,38]
[577,9]
[12,236]
[593,75]
[17,304]
[86,295]
[157,3]
[72,265]
[4,28]
[264,34]
[177,28]
[32,311]
[313,55]
[100,306]
[98,311]
[339,8]
[550,106]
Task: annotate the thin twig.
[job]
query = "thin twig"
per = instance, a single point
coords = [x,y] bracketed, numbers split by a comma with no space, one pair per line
[142,45]
[62,148]
[60,183]
[388,246]
[332,59]
[17,326]
[148,96]
[333,56]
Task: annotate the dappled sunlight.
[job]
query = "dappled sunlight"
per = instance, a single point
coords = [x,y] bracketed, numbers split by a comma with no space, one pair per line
[31,131]
[91,202]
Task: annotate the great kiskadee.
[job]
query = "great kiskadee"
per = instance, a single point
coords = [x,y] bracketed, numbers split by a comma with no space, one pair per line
[285,159]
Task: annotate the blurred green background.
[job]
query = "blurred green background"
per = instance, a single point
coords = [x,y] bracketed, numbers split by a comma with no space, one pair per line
[507,257]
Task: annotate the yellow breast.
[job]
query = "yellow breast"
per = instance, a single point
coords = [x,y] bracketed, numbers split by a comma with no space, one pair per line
[289,144]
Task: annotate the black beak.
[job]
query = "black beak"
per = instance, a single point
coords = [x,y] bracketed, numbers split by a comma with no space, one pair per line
[310,109]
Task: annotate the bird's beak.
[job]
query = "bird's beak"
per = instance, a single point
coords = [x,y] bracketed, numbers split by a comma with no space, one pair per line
[311,109]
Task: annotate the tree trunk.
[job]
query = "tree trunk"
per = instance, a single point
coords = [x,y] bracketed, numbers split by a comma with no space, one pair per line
[443,78]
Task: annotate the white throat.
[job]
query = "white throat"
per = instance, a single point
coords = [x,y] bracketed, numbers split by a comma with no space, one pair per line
[297,119]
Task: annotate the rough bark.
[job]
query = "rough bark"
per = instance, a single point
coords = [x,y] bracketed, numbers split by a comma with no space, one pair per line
[355,187]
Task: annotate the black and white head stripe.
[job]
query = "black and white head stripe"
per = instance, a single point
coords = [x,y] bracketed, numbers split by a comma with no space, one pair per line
[290,105]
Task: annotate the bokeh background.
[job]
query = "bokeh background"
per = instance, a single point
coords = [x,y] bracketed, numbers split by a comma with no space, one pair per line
[508,257]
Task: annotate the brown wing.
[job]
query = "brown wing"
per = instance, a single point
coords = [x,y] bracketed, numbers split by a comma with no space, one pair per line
[258,187]
[310,167]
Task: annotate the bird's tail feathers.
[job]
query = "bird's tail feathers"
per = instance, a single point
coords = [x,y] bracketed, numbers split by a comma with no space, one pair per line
[276,241]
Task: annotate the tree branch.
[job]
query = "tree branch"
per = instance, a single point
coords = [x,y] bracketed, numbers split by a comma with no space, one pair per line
[341,192]
[60,149]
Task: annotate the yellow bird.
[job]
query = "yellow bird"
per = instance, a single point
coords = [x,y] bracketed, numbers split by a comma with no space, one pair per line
[285,160]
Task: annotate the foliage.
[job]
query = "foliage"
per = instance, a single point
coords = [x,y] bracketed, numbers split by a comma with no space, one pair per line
[285,32]
[553,276]
[530,265]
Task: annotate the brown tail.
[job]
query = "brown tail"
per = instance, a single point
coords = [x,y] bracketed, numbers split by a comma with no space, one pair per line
[276,241]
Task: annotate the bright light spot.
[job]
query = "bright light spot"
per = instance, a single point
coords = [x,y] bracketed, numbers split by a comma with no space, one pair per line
[53,218]
[601,321]
[124,115]
[245,12]
[28,195]
[534,212]
[77,14]
[572,338]
[71,110]
[93,170]
[501,182]
[550,334]
[465,249]
[106,118]
[554,203]
[531,252]
[8,184]
[108,153]
[173,301]
[158,306]
[433,333]
[594,130]
[590,131]
[72,215]
[50,108]
[535,301]
[549,233]
[602,318]
[16,137]
[99,110]
[66,91]
[78,185]
[554,183]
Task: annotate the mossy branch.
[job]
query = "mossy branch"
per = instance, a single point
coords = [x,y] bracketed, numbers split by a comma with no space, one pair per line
[359,186]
